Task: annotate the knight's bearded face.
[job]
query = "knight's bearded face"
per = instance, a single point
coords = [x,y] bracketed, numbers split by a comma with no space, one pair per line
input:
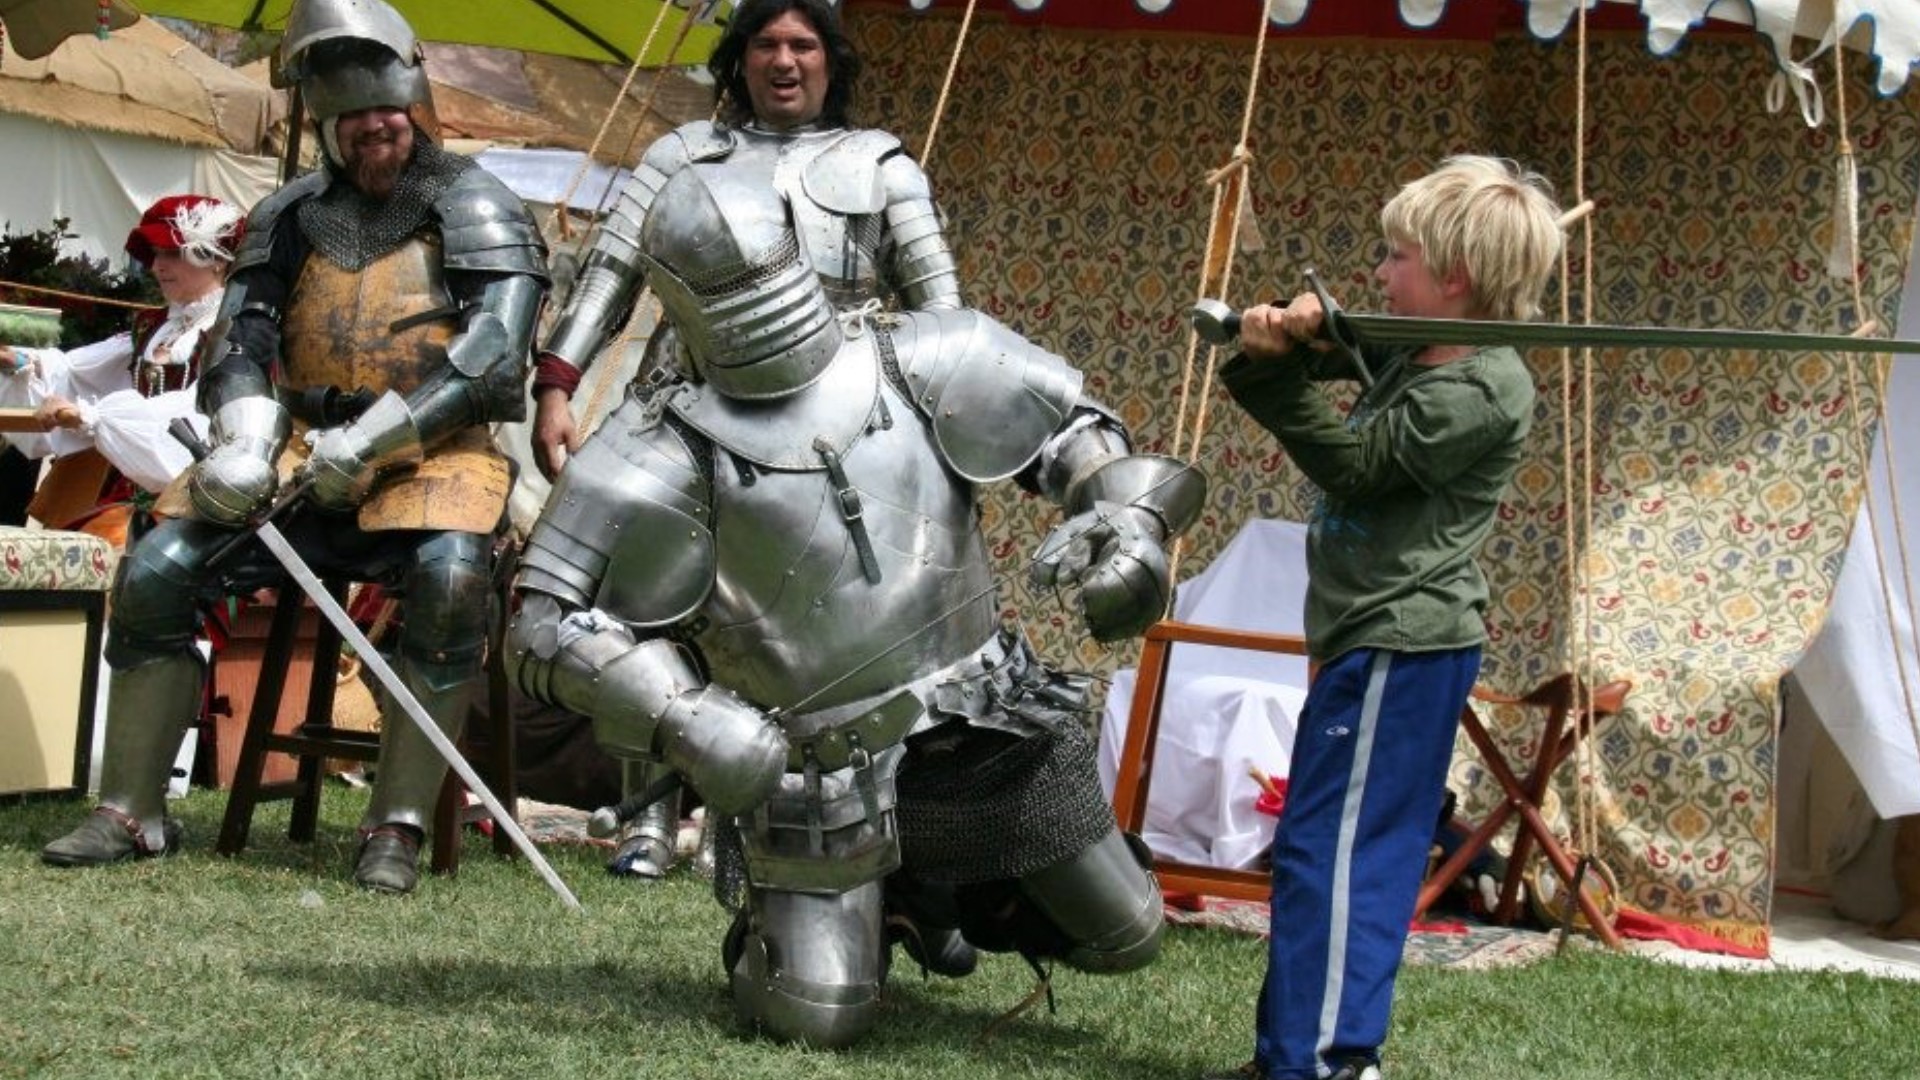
[375,145]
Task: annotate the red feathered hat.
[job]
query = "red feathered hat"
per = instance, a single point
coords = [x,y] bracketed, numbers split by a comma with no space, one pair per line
[204,230]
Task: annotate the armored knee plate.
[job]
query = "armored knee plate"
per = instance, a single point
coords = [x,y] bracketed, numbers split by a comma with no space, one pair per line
[1105,902]
[153,595]
[808,967]
[449,601]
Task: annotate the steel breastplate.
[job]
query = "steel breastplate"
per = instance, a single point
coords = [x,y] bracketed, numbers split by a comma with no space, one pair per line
[339,330]
[843,247]
[792,612]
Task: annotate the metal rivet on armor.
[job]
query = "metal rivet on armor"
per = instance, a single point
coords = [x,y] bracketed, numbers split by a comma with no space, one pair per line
[947,412]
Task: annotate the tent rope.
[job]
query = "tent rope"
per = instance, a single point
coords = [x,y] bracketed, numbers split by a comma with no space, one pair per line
[1229,184]
[1579,585]
[946,85]
[559,219]
[1856,430]
[1216,269]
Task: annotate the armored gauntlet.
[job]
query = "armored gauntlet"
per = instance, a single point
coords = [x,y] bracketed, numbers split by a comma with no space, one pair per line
[348,460]
[237,479]
[1114,555]
[1125,510]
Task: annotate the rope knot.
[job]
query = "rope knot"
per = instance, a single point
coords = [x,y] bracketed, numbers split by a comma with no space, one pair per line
[855,320]
[1237,162]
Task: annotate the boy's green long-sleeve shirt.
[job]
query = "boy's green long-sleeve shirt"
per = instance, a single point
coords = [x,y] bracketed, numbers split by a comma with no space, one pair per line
[1410,482]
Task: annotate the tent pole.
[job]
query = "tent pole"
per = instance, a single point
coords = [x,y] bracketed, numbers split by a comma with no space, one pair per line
[290,163]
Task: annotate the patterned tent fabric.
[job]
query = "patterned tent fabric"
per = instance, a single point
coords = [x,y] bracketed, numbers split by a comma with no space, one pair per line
[1073,169]
[1889,29]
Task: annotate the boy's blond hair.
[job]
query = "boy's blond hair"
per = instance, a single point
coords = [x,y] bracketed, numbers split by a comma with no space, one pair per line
[1490,216]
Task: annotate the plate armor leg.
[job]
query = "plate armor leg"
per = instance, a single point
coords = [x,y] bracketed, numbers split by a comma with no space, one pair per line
[440,652]
[1106,903]
[148,710]
[807,966]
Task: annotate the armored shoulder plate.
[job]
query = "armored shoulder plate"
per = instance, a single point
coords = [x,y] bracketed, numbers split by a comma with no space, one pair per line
[703,140]
[628,528]
[993,397]
[484,226]
[845,177]
[257,246]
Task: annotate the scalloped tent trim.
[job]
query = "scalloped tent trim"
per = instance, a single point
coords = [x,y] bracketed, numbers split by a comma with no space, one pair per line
[1888,30]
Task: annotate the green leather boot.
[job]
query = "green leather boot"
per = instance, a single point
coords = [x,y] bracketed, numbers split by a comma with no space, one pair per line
[148,709]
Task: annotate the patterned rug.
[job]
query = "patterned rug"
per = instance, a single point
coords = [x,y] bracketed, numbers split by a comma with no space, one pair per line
[546,823]
[1463,946]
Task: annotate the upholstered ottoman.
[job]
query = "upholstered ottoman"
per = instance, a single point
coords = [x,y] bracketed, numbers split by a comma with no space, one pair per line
[53,592]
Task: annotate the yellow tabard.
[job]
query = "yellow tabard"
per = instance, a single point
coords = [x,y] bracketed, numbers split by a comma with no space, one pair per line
[338,331]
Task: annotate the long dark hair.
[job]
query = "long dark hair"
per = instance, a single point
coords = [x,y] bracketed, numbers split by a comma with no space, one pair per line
[727,64]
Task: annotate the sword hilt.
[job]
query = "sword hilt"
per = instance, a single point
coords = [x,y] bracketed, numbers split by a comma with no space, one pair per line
[182,431]
[1334,325]
[1218,324]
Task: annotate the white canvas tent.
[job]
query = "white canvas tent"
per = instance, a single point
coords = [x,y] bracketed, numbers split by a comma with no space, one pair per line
[99,129]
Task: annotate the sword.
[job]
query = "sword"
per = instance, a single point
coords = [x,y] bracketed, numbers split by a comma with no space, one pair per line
[1218,324]
[309,583]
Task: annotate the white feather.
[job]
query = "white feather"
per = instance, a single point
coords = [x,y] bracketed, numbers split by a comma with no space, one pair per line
[203,229]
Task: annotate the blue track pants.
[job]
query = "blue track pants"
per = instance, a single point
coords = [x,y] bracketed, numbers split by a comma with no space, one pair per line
[1364,793]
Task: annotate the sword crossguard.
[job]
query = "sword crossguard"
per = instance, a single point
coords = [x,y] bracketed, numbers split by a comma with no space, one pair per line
[1333,325]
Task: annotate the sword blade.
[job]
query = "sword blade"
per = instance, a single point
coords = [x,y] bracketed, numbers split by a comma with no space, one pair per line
[309,583]
[1402,330]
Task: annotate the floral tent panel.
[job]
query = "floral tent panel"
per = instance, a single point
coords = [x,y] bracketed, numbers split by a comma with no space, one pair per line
[1723,483]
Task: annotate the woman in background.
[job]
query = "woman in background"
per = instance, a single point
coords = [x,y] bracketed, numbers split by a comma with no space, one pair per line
[105,407]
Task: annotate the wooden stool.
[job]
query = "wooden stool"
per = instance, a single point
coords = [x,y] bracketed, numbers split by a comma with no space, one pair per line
[1135,774]
[316,739]
[1563,732]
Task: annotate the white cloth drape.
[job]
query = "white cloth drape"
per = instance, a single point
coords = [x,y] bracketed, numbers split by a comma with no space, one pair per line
[1225,709]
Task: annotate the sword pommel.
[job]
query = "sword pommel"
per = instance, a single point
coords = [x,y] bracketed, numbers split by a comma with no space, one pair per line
[1215,322]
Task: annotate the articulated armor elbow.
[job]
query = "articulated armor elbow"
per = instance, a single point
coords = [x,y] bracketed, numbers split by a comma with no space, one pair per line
[651,704]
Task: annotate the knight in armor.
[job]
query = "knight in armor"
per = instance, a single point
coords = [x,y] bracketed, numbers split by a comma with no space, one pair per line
[771,577]
[785,75]
[104,407]
[379,317]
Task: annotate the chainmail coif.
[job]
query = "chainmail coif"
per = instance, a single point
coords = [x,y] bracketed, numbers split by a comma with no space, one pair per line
[352,230]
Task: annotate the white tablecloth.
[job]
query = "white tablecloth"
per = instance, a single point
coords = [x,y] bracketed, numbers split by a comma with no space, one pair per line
[1225,709]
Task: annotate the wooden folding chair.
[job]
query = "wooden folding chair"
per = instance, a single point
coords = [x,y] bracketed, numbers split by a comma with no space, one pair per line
[1523,796]
[1143,731]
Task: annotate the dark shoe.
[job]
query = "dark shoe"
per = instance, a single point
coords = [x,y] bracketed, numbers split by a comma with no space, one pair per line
[389,860]
[938,949]
[109,836]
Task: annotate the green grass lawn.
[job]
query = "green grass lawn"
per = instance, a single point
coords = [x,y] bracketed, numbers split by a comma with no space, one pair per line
[273,965]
